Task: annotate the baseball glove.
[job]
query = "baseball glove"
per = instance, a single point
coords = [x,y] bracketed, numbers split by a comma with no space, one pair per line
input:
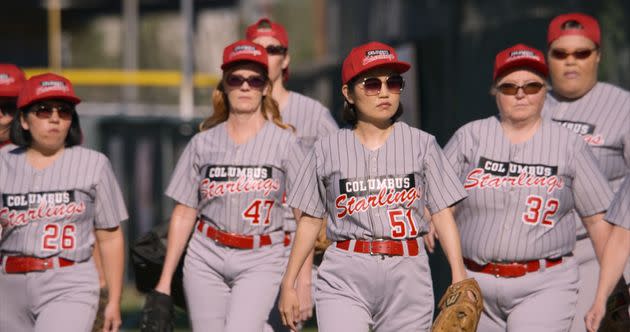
[99,322]
[158,314]
[617,318]
[460,308]
[322,242]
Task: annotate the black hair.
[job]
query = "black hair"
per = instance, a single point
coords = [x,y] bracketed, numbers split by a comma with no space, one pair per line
[349,113]
[23,138]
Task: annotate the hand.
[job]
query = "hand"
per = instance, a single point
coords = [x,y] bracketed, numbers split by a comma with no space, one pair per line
[305,300]
[163,288]
[111,317]
[430,238]
[289,307]
[594,316]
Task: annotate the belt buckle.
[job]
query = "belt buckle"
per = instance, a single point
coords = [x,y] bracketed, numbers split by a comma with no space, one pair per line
[372,253]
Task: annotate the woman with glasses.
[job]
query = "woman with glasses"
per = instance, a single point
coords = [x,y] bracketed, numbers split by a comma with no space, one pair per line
[11,80]
[56,196]
[311,120]
[525,177]
[598,112]
[228,186]
[373,181]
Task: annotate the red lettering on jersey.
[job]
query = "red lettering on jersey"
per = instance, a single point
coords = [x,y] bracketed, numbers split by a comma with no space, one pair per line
[13,218]
[478,178]
[594,139]
[385,197]
[209,189]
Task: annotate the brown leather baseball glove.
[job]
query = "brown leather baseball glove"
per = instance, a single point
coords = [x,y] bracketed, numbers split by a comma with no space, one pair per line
[617,318]
[460,308]
[322,241]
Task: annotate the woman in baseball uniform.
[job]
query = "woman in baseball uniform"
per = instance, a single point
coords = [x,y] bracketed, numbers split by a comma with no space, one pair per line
[228,185]
[11,80]
[597,111]
[56,195]
[524,178]
[373,181]
[311,120]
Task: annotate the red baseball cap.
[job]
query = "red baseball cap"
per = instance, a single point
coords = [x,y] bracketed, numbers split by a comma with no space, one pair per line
[11,80]
[371,55]
[46,86]
[244,50]
[265,27]
[522,56]
[590,27]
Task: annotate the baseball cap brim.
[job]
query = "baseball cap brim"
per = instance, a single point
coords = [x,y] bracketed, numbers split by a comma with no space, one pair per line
[524,63]
[397,66]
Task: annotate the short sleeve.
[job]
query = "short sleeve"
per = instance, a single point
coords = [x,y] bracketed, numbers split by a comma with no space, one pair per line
[443,187]
[619,210]
[591,191]
[625,141]
[291,163]
[110,209]
[308,195]
[184,184]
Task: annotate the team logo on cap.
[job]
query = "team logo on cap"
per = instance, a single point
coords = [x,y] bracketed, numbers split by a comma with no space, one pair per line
[514,55]
[6,79]
[373,55]
[244,49]
[46,86]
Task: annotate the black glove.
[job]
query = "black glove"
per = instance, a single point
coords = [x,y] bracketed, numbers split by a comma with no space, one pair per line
[158,314]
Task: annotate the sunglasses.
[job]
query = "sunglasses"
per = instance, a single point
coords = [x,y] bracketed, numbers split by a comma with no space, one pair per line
[8,108]
[276,50]
[373,85]
[511,89]
[236,81]
[579,54]
[45,111]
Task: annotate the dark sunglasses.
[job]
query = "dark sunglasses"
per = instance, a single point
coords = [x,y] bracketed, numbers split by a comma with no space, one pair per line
[511,89]
[8,108]
[373,85]
[256,81]
[45,111]
[579,54]
[276,50]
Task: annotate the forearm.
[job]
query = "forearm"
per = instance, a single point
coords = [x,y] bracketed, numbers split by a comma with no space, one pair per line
[305,237]
[112,247]
[599,231]
[304,276]
[613,262]
[180,227]
[448,234]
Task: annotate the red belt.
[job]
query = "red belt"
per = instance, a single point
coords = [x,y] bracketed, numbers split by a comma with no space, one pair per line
[231,239]
[25,264]
[385,247]
[510,270]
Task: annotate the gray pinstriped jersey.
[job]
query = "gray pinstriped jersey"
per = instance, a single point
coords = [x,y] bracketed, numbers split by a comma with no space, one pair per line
[237,187]
[521,196]
[311,121]
[602,118]
[619,210]
[53,212]
[379,193]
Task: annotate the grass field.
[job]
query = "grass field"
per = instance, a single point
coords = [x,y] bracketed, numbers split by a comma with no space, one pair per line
[131,306]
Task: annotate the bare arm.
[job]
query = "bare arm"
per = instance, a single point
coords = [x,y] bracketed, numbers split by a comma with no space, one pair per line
[304,282]
[448,234]
[612,264]
[305,237]
[111,243]
[599,231]
[181,225]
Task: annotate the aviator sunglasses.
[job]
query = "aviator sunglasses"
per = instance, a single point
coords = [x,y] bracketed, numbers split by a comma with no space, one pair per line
[579,54]
[45,110]
[256,81]
[8,108]
[511,89]
[373,85]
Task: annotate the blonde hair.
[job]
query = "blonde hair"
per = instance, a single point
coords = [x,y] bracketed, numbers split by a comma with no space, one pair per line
[221,106]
